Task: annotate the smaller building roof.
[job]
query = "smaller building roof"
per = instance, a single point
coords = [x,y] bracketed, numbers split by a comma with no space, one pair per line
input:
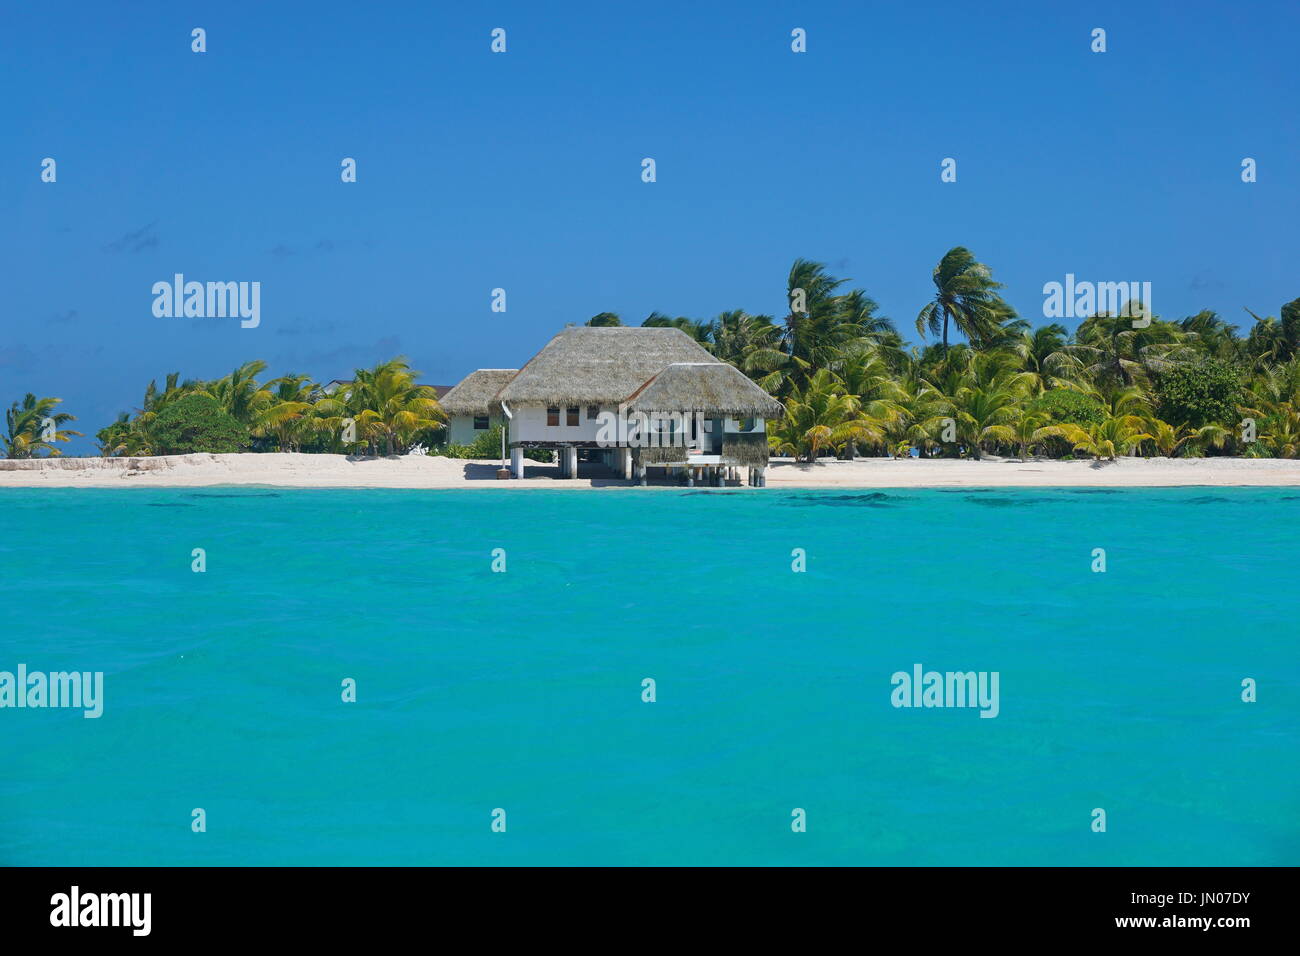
[704,387]
[476,393]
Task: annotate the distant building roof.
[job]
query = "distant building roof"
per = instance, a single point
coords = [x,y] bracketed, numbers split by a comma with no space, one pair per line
[475,395]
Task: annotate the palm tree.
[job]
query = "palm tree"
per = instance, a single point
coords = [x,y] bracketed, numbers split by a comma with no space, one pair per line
[240,394]
[1281,431]
[385,404]
[965,296]
[1039,352]
[822,415]
[286,414]
[1169,439]
[1108,349]
[1117,435]
[981,392]
[1274,341]
[1026,430]
[821,323]
[32,426]
[1215,337]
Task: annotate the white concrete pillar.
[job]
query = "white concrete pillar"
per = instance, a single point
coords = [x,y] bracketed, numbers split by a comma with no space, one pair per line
[571,462]
[762,477]
[625,463]
[517,461]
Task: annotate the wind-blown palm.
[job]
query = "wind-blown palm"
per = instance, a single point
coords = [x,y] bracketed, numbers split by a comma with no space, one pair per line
[966,296]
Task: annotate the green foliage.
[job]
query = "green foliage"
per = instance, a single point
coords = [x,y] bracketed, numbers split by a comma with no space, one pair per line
[1064,405]
[32,426]
[1199,394]
[197,423]
[849,383]
[486,445]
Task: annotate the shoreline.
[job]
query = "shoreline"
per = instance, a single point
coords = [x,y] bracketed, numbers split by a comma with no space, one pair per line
[293,470]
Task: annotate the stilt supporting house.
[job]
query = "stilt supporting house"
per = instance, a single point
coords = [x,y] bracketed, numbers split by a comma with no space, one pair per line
[634,399]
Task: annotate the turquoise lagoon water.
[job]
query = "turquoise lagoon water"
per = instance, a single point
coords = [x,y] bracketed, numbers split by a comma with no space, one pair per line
[522,690]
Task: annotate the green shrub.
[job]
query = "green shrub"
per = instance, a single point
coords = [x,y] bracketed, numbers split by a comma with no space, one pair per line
[1201,394]
[1067,405]
[486,445]
[197,423]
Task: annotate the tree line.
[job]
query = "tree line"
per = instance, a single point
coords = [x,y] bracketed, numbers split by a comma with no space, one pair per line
[983,381]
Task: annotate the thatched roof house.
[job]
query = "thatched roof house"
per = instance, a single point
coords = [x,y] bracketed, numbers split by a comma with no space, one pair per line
[629,397]
[476,393]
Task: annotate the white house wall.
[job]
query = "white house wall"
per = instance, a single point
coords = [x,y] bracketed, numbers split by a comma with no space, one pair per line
[529,425]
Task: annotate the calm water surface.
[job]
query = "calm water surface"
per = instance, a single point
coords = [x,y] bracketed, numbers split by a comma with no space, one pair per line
[522,690]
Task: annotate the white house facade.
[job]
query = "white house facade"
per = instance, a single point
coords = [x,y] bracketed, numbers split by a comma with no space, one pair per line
[635,399]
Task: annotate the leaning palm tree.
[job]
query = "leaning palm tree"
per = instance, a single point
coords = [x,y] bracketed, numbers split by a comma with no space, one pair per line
[32,426]
[965,296]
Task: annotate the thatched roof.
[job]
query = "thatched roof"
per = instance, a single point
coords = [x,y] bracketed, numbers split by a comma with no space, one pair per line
[712,387]
[475,394]
[595,365]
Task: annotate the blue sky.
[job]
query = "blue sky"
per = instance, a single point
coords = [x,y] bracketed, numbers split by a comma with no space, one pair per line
[522,170]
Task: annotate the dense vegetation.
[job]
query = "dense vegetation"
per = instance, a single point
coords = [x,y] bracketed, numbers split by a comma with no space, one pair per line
[984,381]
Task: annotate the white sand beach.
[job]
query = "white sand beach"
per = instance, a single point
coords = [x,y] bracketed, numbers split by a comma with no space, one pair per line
[339,471]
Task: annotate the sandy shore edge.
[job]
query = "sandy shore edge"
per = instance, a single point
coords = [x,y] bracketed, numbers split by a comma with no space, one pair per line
[339,471]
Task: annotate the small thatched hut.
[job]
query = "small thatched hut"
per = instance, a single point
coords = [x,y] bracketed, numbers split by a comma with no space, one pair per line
[471,406]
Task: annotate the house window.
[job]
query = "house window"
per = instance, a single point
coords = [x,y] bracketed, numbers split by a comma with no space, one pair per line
[593,412]
[747,424]
[553,415]
[480,423]
[571,415]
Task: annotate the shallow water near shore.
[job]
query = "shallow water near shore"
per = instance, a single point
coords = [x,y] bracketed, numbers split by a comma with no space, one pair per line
[523,690]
